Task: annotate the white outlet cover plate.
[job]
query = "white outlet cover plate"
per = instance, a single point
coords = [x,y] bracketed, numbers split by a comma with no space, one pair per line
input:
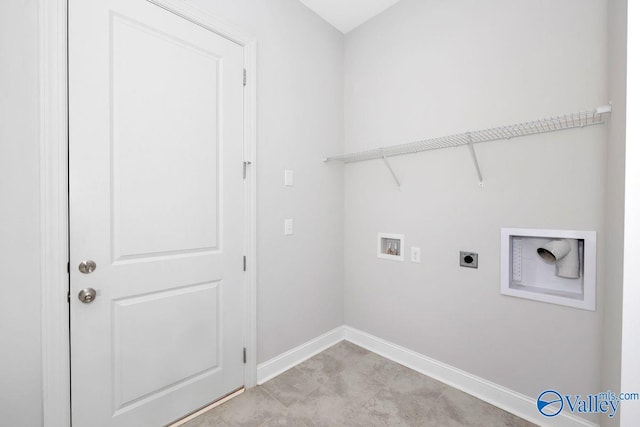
[288,178]
[415,254]
[288,227]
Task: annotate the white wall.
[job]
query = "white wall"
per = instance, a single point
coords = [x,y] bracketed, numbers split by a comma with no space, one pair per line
[299,120]
[614,201]
[20,356]
[425,69]
[631,306]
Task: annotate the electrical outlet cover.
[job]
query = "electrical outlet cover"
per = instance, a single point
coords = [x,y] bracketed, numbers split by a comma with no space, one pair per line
[415,254]
[288,227]
[288,178]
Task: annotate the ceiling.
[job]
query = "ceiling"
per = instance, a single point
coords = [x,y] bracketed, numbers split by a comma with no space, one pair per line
[346,15]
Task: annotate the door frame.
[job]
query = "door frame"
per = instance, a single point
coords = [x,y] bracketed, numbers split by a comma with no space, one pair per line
[54,212]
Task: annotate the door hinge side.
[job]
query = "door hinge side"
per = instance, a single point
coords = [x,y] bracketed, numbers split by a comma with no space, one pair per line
[244,355]
[244,77]
[244,169]
[244,263]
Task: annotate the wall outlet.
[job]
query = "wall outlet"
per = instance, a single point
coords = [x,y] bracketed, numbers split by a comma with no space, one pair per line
[288,226]
[415,254]
[288,178]
[468,259]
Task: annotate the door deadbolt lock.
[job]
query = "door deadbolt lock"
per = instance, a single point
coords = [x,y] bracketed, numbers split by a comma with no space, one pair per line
[87,267]
[87,295]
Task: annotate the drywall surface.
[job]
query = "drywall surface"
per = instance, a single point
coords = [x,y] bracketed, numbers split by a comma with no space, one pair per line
[427,69]
[631,313]
[300,119]
[614,201]
[20,357]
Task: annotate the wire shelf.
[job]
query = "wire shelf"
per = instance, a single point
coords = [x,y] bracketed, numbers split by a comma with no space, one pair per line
[550,124]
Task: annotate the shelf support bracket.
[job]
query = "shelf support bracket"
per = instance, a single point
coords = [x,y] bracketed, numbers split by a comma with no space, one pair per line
[393,174]
[475,161]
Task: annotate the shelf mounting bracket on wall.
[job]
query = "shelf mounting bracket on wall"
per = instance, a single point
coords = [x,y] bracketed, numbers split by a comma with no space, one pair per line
[393,174]
[475,160]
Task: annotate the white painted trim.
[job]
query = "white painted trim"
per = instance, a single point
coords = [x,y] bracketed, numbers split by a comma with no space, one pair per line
[54,281]
[509,400]
[54,198]
[497,395]
[295,356]
[251,213]
[206,20]
[630,353]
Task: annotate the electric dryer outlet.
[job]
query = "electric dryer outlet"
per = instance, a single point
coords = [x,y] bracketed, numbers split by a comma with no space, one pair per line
[468,259]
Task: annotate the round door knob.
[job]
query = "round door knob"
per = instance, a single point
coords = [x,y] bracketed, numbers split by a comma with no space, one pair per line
[87,295]
[87,267]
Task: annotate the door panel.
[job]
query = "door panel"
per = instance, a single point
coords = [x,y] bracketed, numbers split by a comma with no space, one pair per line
[156,193]
[154,212]
[151,332]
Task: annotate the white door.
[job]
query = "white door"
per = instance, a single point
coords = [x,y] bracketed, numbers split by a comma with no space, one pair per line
[156,201]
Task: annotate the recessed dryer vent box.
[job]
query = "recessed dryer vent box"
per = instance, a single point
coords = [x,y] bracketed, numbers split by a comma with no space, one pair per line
[553,266]
[391,246]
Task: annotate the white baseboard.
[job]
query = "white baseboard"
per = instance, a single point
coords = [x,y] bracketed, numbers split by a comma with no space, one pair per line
[497,395]
[511,401]
[274,367]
